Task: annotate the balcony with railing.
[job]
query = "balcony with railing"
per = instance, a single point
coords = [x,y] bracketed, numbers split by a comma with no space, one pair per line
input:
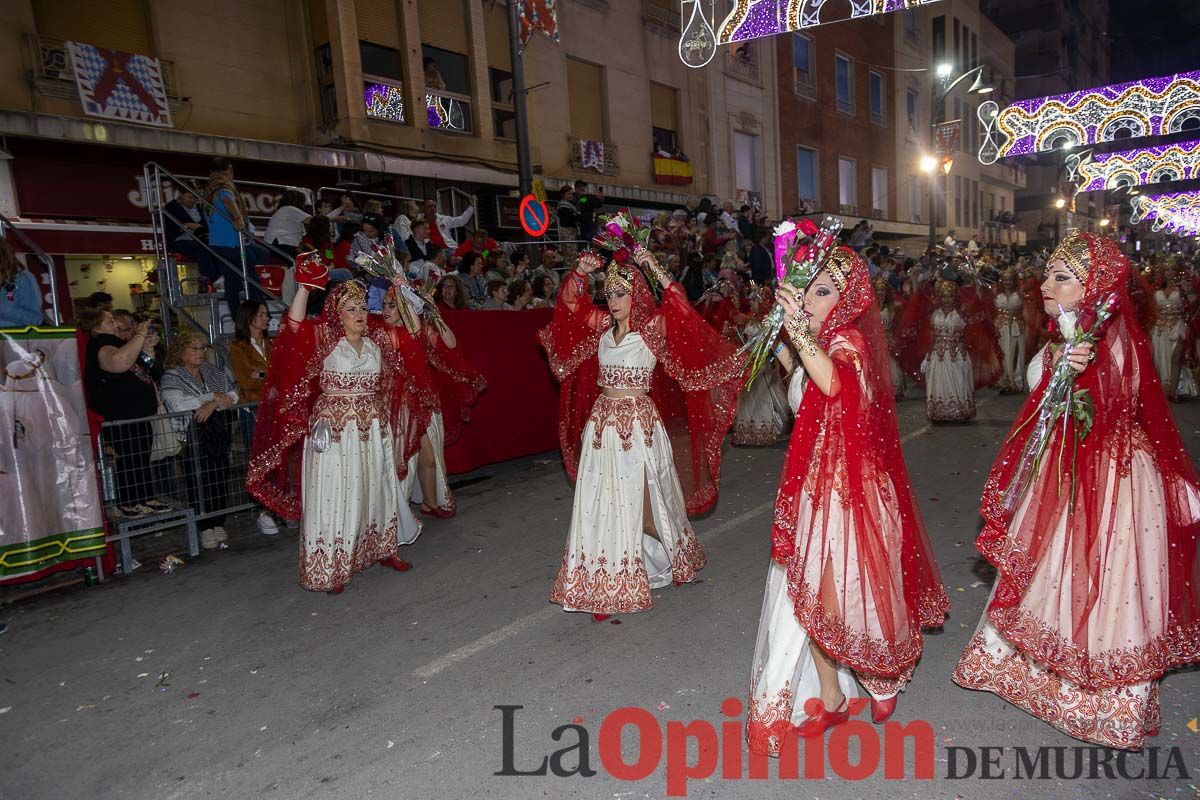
[742,63]
[803,85]
[52,75]
[588,155]
[661,16]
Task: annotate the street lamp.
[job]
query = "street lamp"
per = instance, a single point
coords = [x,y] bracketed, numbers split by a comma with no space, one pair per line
[1060,203]
[1104,223]
[937,106]
[928,164]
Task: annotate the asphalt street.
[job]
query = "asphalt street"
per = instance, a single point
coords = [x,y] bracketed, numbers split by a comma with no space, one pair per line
[225,679]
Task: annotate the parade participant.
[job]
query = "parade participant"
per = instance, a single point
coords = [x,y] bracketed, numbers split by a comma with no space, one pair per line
[1096,593]
[625,373]
[762,410]
[337,424]
[1170,332]
[456,386]
[852,579]
[947,369]
[1010,326]
[889,314]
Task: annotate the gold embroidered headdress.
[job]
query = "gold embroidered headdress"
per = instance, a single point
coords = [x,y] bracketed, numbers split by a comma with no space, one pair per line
[1076,253]
[839,265]
[353,291]
[618,278]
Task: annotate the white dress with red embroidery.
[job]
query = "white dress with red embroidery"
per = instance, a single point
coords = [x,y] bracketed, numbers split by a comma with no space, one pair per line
[1170,330]
[1133,567]
[949,376]
[762,413]
[346,532]
[610,563]
[1010,328]
[411,488]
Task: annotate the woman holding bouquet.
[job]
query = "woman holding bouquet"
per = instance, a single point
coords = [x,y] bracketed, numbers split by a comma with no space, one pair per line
[1090,522]
[337,423]
[627,373]
[852,580]
[762,410]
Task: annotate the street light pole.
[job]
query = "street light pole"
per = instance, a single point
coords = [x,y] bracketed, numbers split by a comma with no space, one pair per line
[937,105]
[524,160]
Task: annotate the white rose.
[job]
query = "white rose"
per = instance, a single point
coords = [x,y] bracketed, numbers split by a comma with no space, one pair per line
[785,227]
[1066,324]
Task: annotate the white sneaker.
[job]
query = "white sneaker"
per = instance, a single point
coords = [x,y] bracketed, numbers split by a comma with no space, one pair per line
[222,534]
[208,539]
[266,525]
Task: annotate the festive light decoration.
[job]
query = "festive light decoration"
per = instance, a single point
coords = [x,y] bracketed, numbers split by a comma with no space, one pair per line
[754,19]
[384,101]
[1091,172]
[1149,107]
[1175,213]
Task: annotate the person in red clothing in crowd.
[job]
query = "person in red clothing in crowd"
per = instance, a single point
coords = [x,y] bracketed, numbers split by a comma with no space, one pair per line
[441,226]
[450,295]
[480,243]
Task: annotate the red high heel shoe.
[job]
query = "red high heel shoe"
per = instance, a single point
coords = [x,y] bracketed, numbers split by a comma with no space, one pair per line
[817,725]
[438,511]
[600,617]
[338,590]
[397,563]
[881,710]
[1153,732]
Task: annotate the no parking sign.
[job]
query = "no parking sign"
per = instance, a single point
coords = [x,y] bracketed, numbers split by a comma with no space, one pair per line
[535,216]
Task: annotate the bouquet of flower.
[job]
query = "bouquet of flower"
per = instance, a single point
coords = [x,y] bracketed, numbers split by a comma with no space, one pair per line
[801,249]
[1061,401]
[381,262]
[621,234]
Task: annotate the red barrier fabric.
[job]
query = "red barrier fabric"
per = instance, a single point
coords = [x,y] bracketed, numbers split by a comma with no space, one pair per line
[517,415]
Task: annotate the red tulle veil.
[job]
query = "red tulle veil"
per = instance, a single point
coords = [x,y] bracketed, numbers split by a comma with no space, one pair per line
[457,382]
[1131,413]
[293,385]
[849,443]
[695,384]
[914,335]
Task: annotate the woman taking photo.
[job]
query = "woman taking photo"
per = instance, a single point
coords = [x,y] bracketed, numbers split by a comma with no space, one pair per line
[1097,593]
[249,353]
[336,426]
[192,384]
[852,580]
[617,368]
[118,377]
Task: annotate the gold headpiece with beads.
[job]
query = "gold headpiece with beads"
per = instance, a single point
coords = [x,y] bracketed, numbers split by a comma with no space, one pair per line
[880,282]
[1076,253]
[947,287]
[353,291]
[840,265]
[617,279]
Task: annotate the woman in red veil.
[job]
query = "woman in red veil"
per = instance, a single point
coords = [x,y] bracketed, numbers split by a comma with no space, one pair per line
[1097,593]
[852,580]
[457,386]
[647,395]
[343,409]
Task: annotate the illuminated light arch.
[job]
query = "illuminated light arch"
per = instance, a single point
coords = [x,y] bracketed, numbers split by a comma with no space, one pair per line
[1178,212]
[1141,167]
[1109,127]
[1048,140]
[1163,104]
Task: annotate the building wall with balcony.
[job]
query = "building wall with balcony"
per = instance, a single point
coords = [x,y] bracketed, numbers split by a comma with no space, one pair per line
[836,144]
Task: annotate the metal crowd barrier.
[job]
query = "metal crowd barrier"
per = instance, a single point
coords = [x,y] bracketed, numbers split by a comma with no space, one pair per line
[195,472]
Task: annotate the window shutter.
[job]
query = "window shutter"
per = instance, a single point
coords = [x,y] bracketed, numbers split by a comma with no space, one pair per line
[496,34]
[585,86]
[663,107]
[377,22]
[318,21]
[118,25]
[444,24]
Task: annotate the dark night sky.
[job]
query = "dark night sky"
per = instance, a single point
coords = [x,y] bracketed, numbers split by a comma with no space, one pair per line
[1154,37]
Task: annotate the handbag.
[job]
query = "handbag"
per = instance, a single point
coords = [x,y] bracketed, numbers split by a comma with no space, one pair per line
[167,441]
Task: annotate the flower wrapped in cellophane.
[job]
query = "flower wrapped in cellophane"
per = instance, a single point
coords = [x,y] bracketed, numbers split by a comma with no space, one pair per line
[381,262]
[801,249]
[622,235]
[1062,401]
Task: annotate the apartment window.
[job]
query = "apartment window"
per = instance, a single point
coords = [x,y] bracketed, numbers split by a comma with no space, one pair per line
[844,80]
[975,205]
[910,24]
[806,174]
[878,86]
[504,115]
[879,192]
[847,183]
[991,206]
[974,50]
[939,39]
[915,204]
[664,116]
[910,99]
[585,88]
[802,59]
[747,164]
[957,45]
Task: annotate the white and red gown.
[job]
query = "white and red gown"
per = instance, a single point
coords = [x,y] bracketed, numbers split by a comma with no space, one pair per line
[949,373]
[1096,596]
[626,450]
[333,433]
[457,385]
[1170,331]
[852,568]
[1010,327]
[762,412]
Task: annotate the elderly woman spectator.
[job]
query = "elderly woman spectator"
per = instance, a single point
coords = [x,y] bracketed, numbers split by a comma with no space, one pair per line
[544,288]
[497,297]
[470,272]
[118,379]
[193,385]
[286,227]
[450,295]
[20,296]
